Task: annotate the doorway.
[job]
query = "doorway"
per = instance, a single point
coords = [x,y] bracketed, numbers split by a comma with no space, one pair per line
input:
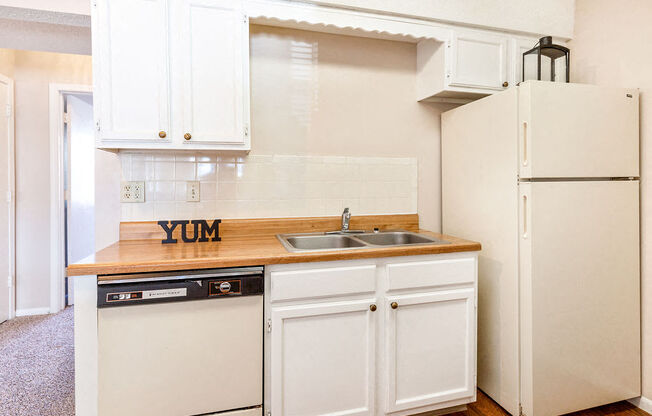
[79,181]
[72,177]
[7,210]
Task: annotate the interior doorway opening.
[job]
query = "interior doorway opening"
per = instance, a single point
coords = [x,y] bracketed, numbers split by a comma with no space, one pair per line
[78,181]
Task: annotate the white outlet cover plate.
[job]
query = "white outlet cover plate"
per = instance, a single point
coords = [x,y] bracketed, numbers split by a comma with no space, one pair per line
[192,191]
[133,191]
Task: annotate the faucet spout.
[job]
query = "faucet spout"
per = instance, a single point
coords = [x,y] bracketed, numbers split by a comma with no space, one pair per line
[346,217]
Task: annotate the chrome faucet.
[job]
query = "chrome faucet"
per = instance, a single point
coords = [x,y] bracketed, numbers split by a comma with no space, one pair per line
[346,217]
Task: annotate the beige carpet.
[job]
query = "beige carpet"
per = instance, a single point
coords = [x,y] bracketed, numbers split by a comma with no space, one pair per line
[37,371]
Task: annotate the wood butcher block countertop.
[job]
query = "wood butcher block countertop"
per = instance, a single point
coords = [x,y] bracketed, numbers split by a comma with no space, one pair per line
[247,243]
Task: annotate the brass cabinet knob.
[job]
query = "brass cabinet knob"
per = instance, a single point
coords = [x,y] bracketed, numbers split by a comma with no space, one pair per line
[373,307]
[505,84]
[162,134]
[187,136]
[394,305]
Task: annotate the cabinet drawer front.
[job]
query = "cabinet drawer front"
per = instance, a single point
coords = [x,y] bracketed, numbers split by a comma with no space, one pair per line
[430,273]
[317,283]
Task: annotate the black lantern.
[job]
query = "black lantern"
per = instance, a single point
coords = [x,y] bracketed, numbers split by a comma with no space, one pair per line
[546,62]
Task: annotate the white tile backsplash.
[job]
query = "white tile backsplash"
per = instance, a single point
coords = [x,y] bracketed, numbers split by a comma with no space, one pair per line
[269,185]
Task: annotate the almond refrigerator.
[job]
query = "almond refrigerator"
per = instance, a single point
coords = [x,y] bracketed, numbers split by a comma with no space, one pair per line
[546,176]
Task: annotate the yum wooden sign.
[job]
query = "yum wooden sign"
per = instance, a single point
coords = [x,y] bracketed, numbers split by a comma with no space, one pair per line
[201,231]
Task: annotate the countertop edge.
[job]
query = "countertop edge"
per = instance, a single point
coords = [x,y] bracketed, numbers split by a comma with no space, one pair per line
[289,258]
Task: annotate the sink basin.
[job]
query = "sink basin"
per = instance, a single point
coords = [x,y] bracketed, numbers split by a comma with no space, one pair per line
[397,238]
[329,241]
[318,242]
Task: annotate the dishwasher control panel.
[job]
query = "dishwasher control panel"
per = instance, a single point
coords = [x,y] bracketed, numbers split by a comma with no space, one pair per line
[147,288]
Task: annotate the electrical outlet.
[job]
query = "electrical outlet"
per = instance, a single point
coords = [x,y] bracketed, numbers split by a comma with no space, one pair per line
[132,191]
[192,191]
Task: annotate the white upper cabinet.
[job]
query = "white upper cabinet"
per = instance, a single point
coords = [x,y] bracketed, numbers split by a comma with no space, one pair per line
[470,65]
[180,81]
[130,62]
[479,60]
[211,60]
[518,47]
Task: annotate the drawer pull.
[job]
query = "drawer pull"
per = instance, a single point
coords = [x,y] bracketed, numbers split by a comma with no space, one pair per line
[373,307]
[394,305]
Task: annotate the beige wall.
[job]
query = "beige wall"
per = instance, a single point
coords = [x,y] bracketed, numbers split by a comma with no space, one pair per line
[7,59]
[62,6]
[611,47]
[321,94]
[33,73]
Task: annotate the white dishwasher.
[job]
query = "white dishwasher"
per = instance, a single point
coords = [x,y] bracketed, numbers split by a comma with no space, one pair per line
[181,343]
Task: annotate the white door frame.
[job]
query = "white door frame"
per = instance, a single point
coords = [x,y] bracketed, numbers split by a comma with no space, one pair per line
[57,221]
[11,197]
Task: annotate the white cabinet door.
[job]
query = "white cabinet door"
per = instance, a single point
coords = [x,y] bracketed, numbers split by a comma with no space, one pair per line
[211,55]
[323,359]
[479,60]
[430,347]
[131,70]
[518,47]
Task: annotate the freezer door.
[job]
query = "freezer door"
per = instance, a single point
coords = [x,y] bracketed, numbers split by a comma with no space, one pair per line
[577,131]
[579,288]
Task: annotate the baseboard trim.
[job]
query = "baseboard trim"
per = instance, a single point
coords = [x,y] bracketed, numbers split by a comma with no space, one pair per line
[32,311]
[642,403]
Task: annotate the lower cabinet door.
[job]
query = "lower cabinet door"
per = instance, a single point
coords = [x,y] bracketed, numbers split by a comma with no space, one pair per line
[323,359]
[430,347]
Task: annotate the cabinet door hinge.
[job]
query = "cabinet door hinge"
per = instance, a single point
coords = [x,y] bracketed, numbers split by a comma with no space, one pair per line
[246,130]
[66,118]
[8,110]
[520,410]
[97,125]
[10,281]
[9,196]
[269,325]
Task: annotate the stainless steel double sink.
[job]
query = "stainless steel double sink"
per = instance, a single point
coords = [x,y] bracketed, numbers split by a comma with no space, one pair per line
[352,240]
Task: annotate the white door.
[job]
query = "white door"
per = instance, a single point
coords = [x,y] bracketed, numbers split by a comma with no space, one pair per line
[211,55]
[132,70]
[479,61]
[430,348]
[580,288]
[6,193]
[576,130]
[323,359]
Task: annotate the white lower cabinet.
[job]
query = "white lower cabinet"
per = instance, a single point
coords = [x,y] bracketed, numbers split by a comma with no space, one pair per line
[323,359]
[430,347]
[375,350]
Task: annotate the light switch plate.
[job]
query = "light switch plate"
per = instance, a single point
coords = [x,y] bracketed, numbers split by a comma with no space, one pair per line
[132,191]
[192,191]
